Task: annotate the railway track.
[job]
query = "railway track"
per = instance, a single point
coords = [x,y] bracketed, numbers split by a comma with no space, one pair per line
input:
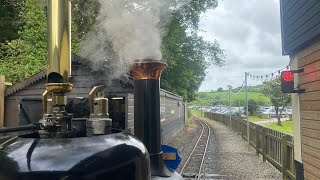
[192,168]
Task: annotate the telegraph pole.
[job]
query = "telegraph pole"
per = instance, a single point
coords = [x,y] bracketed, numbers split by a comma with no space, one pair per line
[230,107]
[247,114]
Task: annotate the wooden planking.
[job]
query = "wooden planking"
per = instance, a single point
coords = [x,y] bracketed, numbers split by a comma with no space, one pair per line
[306,37]
[310,87]
[289,5]
[303,24]
[308,176]
[314,55]
[314,115]
[311,160]
[2,87]
[310,96]
[310,68]
[310,106]
[311,151]
[311,169]
[315,143]
[312,133]
[311,124]
[296,12]
[315,76]
[309,54]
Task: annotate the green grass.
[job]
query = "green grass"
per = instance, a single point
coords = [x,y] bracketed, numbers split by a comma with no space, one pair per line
[195,112]
[207,98]
[192,112]
[287,127]
[255,118]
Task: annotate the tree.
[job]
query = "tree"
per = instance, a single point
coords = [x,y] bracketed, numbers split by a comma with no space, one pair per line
[220,89]
[188,55]
[25,54]
[278,99]
[8,25]
[229,87]
[252,107]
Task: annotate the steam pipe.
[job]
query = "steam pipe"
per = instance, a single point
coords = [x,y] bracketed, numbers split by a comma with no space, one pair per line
[146,75]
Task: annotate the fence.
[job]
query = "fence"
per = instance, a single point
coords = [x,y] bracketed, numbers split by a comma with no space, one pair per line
[274,146]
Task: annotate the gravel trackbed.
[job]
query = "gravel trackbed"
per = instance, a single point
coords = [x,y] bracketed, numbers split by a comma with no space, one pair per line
[228,155]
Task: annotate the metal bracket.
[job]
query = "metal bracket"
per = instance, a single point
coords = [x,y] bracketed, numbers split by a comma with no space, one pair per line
[299,91]
[298,71]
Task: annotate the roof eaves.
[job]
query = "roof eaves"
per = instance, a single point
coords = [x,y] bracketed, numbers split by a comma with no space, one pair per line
[26,83]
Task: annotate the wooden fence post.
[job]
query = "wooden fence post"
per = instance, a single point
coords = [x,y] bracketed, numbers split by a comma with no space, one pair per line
[284,156]
[263,144]
[2,86]
[257,140]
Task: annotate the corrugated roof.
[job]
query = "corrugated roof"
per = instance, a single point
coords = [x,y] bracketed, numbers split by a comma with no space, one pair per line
[26,83]
[33,79]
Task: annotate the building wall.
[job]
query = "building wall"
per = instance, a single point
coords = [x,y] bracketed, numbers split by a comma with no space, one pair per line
[82,80]
[130,112]
[174,121]
[172,115]
[309,59]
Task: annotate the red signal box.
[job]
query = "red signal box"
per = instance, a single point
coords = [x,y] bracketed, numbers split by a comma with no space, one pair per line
[287,81]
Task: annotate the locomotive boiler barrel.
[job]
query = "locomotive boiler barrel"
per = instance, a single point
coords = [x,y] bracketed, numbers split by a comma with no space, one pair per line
[114,156]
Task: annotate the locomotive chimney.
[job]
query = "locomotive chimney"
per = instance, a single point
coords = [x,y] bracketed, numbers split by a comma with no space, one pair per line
[59,39]
[58,122]
[146,75]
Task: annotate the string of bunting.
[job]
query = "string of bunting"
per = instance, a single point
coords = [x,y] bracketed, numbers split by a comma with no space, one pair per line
[266,76]
[231,91]
[241,87]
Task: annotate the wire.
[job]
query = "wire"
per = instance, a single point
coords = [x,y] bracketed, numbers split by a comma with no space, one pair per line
[272,74]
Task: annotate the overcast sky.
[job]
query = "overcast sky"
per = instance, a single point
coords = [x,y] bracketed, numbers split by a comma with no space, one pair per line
[249,32]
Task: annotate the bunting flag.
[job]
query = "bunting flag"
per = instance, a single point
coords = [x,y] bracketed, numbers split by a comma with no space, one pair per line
[267,76]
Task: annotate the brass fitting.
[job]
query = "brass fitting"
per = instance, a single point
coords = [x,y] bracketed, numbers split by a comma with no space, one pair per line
[98,104]
[99,122]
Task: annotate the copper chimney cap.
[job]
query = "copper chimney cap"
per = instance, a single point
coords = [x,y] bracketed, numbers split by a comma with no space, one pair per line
[147,69]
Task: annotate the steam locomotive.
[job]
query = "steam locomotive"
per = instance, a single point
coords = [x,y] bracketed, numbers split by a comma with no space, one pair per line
[69,148]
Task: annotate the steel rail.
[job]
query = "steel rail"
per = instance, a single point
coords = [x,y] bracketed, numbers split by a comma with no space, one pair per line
[205,150]
[203,124]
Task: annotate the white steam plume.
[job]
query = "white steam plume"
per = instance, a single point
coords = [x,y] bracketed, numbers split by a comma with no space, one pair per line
[127,30]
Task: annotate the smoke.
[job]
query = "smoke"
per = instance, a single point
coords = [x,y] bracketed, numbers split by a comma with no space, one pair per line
[127,30]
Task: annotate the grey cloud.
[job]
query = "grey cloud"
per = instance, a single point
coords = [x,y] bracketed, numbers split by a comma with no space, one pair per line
[249,31]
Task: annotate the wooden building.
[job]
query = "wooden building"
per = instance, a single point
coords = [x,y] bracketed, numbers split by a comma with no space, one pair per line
[300,21]
[23,104]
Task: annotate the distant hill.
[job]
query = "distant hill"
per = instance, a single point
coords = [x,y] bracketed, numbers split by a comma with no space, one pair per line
[214,98]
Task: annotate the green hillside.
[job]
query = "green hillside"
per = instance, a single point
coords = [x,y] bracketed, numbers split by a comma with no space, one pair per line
[214,98]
